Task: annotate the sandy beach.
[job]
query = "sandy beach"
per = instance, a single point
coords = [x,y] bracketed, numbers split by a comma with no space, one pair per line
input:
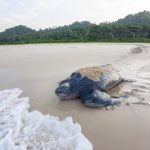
[36,69]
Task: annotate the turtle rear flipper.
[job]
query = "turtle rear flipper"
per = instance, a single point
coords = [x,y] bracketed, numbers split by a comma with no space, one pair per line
[99,99]
[128,80]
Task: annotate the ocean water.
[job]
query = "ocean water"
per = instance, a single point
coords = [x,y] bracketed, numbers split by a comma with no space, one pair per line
[21,129]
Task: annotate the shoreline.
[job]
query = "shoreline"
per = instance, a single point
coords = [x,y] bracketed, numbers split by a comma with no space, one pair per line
[82,42]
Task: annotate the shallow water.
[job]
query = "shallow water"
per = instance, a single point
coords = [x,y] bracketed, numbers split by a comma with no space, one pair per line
[36,69]
[20,129]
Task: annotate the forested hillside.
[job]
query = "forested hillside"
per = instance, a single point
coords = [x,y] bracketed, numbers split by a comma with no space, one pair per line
[132,28]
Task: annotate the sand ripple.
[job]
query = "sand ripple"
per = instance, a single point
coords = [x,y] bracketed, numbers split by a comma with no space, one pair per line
[136,66]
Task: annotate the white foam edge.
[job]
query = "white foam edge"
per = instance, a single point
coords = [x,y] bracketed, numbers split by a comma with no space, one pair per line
[21,129]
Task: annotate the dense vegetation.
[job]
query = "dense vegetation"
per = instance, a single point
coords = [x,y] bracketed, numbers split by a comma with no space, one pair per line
[132,28]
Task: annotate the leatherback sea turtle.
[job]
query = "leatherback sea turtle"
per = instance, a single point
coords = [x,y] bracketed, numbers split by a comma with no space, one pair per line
[89,84]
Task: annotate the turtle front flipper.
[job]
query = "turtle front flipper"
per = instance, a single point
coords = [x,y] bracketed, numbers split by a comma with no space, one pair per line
[98,99]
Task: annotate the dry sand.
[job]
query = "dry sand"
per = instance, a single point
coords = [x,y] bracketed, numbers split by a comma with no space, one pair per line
[36,69]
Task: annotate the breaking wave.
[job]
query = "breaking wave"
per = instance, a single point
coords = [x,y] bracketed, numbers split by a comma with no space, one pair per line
[21,129]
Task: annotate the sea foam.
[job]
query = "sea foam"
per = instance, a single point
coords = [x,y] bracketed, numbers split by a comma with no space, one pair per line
[21,129]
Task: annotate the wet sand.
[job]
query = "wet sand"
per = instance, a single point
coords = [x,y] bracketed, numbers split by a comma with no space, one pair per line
[36,69]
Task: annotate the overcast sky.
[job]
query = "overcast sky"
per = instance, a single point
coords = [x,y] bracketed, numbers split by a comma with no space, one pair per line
[48,13]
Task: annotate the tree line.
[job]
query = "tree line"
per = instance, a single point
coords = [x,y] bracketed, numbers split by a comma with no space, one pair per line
[132,28]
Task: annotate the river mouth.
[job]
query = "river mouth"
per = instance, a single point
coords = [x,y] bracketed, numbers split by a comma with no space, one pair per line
[36,69]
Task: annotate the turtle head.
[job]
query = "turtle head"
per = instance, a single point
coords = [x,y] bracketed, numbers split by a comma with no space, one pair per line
[64,90]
